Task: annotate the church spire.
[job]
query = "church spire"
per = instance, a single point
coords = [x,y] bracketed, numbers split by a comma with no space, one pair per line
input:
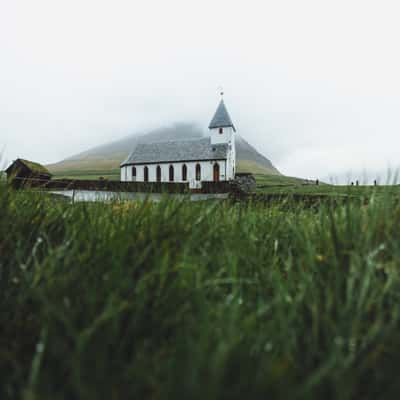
[221,118]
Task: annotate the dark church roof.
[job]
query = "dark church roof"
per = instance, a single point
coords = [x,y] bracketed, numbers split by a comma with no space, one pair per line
[184,150]
[221,118]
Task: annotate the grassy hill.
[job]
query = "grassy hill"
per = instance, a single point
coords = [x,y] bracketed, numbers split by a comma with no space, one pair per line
[105,160]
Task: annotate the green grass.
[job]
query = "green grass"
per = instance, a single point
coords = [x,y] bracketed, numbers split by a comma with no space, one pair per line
[288,186]
[198,301]
[113,174]
[254,167]
[86,165]
[264,180]
[111,177]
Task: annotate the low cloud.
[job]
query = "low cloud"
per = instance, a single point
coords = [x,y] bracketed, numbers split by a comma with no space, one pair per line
[318,101]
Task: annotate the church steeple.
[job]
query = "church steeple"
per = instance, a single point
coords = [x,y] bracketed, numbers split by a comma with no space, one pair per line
[222,132]
[221,118]
[221,126]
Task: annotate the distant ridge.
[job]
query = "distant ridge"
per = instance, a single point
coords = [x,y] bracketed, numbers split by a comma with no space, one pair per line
[108,157]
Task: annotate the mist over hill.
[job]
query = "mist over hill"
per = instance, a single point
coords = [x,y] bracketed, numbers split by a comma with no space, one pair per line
[110,155]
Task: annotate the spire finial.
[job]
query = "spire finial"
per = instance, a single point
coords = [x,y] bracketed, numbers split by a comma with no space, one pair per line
[221,91]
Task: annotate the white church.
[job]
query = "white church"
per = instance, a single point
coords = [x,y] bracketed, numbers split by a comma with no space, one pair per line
[210,158]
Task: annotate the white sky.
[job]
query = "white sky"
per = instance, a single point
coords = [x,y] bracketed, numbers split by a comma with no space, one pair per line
[314,85]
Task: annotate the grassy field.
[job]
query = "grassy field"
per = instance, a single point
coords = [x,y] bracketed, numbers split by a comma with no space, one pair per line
[267,180]
[198,301]
[287,186]
[112,172]
[85,166]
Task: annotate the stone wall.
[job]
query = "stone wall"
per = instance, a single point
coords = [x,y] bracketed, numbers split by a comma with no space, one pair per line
[245,181]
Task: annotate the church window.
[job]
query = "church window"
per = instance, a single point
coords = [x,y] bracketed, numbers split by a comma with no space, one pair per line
[198,172]
[158,173]
[171,173]
[146,174]
[221,130]
[134,173]
[184,172]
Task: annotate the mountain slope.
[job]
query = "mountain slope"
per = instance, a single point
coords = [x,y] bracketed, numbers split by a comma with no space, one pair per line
[107,158]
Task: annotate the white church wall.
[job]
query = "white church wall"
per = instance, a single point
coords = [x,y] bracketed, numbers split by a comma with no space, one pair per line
[227,136]
[224,137]
[231,161]
[207,171]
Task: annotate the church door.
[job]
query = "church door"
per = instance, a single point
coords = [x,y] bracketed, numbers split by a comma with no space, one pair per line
[216,172]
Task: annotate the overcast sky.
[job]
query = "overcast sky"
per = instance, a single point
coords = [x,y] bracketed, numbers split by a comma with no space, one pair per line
[313,85]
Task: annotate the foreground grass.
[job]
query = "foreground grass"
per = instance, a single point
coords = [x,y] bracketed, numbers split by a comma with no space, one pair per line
[202,301]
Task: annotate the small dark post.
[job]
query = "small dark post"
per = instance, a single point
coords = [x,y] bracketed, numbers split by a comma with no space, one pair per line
[317,182]
[357,183]
[375,183]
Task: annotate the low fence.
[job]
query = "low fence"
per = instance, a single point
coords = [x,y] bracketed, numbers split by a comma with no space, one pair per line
[101,184]
[116,186]
[217,187]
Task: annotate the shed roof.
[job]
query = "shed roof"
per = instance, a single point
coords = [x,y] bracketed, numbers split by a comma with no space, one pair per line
[33,166]
[221,118]
[184,150]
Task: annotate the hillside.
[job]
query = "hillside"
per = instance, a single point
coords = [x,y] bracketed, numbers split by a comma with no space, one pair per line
[105,159]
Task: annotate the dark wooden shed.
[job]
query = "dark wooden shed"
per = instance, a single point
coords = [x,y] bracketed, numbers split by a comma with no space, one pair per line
[21,172]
